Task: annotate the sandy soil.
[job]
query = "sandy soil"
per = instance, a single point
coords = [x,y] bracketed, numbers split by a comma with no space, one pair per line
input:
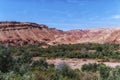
[77,63]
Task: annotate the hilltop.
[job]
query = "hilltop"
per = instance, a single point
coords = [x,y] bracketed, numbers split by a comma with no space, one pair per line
[22,33]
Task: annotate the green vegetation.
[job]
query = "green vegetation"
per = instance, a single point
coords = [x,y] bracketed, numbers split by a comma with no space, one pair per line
[22,67]
[100,51]
[16,63]
[104,72]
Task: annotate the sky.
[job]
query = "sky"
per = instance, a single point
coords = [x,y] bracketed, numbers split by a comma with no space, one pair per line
[63,14]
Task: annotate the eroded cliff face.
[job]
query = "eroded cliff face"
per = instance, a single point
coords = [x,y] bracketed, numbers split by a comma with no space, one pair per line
[23,33]
[101,35]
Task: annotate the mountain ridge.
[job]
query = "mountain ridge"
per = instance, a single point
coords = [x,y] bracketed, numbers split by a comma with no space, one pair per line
[22,33]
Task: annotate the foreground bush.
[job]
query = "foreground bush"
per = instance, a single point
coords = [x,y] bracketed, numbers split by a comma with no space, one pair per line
[66,71]
[103,72]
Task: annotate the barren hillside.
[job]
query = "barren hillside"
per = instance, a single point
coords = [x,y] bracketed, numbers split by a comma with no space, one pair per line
[21,33]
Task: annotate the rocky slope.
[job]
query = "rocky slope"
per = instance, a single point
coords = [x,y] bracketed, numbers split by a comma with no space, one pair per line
[101,35]
[22,33]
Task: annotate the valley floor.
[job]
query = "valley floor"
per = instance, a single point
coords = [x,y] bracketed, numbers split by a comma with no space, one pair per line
[77,63]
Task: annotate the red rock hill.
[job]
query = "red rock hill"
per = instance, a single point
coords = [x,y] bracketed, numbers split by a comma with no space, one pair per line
[22,33]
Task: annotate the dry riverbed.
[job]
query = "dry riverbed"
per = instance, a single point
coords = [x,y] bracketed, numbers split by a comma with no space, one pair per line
[77,63]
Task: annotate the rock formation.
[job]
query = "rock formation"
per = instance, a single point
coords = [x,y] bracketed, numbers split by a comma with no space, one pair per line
[22,33]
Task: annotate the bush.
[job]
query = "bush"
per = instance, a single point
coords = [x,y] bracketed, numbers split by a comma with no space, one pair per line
[66,71]
[90,67]
[40,63]
[114,74]
[6,60]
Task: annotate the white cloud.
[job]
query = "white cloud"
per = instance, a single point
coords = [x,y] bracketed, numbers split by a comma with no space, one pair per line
[116,16]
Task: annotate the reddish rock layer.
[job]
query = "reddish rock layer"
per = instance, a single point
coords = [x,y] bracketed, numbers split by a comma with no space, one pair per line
[22,33]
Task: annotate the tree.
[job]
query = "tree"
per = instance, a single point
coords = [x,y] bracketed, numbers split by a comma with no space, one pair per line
[6,60]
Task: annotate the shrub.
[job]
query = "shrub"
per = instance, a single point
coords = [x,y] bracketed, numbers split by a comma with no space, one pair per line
[6,60]
[40,63]
[90,67]
[66,71]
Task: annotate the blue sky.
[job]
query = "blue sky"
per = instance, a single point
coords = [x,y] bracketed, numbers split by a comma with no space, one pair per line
[63,14]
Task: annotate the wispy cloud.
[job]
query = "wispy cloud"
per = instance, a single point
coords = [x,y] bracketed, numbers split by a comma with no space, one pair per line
[116,16]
